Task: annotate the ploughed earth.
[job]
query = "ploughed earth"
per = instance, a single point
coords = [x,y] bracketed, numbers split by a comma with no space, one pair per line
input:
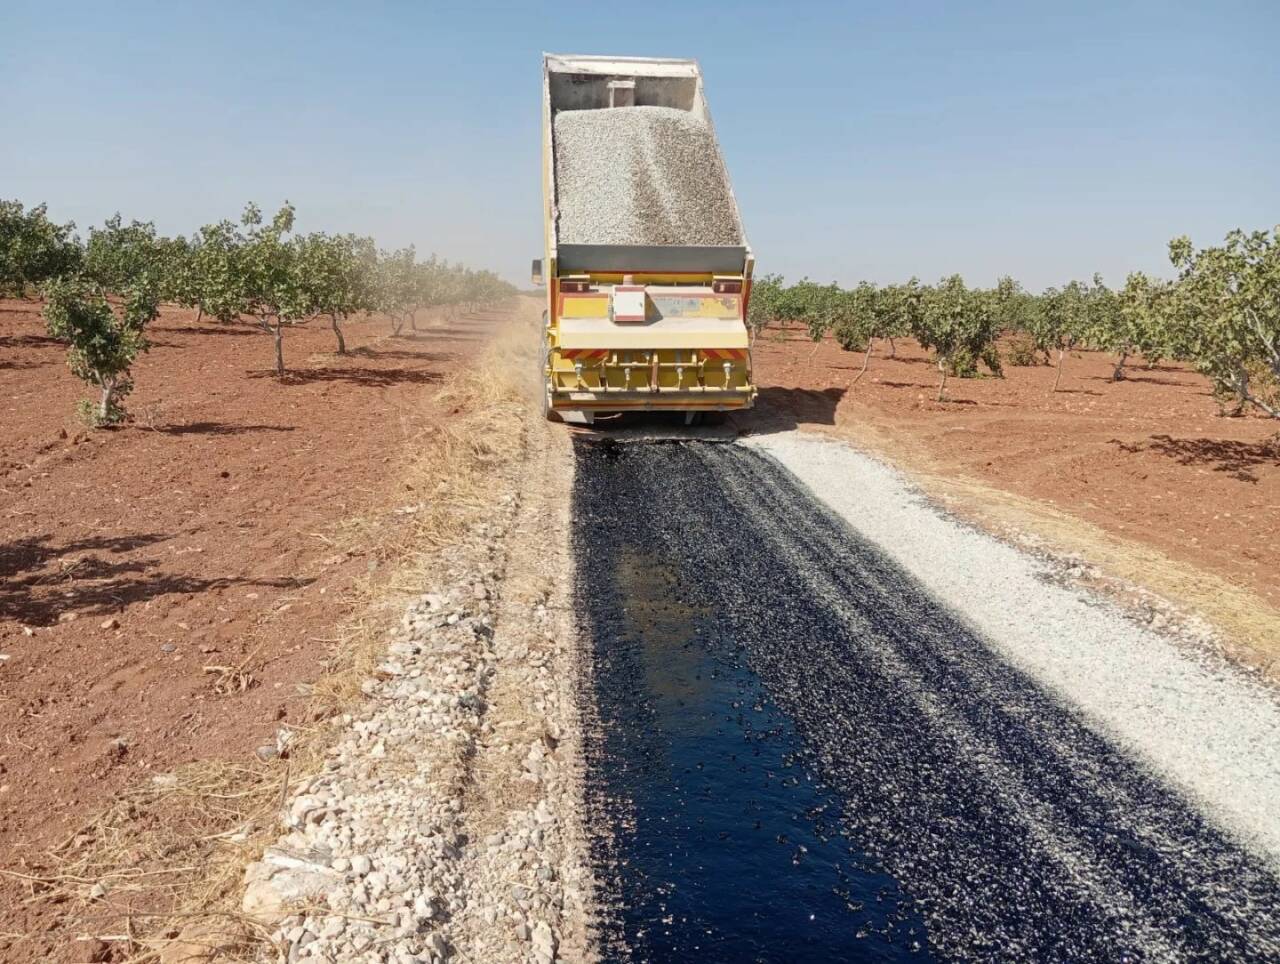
[1146,459]
[165,587]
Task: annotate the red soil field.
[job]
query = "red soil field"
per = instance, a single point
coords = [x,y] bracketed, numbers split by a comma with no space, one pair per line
[198,535]
[1147,458]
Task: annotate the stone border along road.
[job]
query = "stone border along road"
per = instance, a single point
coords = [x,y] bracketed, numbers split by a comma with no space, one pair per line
[1046,778]
[445,823]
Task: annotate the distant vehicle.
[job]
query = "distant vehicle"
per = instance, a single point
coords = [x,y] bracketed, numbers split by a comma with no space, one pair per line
[640,326]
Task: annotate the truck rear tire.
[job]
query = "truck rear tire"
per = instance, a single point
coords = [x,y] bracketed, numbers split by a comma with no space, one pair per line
[545,357]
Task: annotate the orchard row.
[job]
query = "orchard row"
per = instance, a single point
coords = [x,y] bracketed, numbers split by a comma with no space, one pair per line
[100,295]
[1220,313]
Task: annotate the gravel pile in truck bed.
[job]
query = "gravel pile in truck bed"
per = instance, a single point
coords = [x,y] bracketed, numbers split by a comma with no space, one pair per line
[641,175]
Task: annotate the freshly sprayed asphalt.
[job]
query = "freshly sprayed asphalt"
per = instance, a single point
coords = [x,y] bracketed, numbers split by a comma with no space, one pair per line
[795,753]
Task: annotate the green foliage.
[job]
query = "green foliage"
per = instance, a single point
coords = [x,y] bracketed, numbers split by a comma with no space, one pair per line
[1137,322]
[103,341]
[763,305]
[959,323]
[254,269]
[1225,314]
[120,256]
[33,249]
[855,317]
[964,364]
[337,277]
[404,286]
[1021,351]
[1068,317]
[397,285]
[249,270]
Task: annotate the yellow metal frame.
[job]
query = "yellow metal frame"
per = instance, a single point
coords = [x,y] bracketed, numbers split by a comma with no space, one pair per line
[627,371]
[617,367]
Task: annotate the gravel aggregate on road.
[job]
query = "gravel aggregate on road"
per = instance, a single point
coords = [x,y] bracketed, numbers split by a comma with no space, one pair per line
[1022,822]
[641,175]
[1206,725]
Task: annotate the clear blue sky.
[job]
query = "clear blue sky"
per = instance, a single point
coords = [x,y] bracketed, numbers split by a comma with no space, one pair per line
[1046,140]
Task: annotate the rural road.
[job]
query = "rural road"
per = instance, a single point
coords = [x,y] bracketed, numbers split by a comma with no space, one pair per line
[801,752]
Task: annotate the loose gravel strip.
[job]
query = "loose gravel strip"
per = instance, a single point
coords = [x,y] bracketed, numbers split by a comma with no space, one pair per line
[383,859]
[641,175]
[1206,725]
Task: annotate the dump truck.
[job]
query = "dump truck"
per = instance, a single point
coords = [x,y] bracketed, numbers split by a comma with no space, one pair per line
[646,263]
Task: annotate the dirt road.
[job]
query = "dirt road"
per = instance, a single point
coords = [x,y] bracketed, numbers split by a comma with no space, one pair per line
[801,751]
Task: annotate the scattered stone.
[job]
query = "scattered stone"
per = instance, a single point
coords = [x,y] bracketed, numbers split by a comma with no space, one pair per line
[378,861]
[544,942]
[112,623]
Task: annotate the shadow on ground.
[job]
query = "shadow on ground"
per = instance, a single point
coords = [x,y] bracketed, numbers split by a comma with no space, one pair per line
[367,377]
[784,409]
[43,581]
[1232,456]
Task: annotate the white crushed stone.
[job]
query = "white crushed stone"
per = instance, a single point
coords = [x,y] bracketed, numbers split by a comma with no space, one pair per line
[641,175]
[381,861]
[1204,724]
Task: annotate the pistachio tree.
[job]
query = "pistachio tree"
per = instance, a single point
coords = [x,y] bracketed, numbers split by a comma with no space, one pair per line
[396,285]
[886,313]
[762,303]
[1136,323]
[960,325]
[1062,322]
[34,249]
[250,271]
[103,341]
[271,284]
[1226,315]
[120,255]
[337,277]
[855,323]
[212,280]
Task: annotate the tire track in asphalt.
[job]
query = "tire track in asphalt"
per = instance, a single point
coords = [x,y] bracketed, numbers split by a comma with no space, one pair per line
[1019,830]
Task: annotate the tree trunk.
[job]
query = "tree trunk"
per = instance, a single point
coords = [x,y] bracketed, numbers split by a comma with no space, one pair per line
[866,360]
[1061,354]
[942,386]
[104,406]
[199,313]
[1118,374]
[1246,396]
[396,324]
[816,345]
[278,331]
[413,321]
[337,331]
[893,349]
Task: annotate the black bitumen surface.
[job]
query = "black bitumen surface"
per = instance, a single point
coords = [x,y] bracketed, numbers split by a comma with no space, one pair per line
[795,754]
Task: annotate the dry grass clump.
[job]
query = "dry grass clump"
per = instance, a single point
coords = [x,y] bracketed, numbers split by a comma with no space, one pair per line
[158,875]
[163,858]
